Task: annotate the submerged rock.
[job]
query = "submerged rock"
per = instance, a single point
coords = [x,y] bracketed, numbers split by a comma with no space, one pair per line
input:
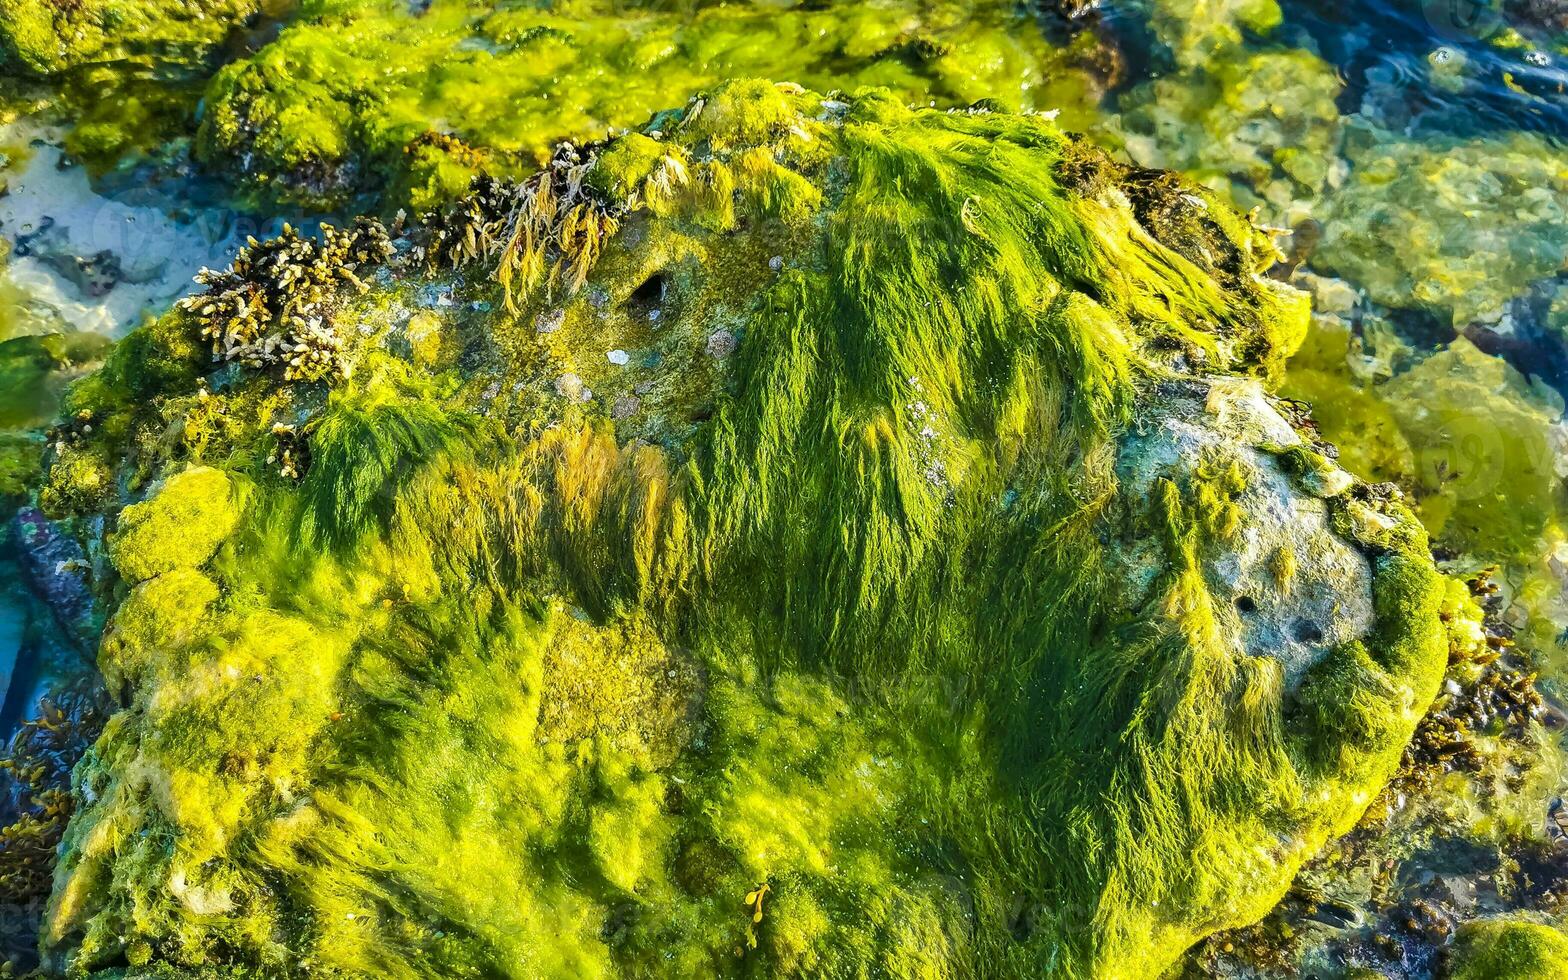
[1518,950]
[355,92]
[903,637]
[43,37]
[57,570]
[1457,227]
[1263,127]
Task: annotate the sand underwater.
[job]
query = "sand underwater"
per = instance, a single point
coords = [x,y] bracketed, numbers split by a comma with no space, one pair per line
[784,488]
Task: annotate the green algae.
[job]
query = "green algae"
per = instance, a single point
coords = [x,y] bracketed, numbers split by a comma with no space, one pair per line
[1454,227]
[1200,34]
[1476,442]
[43,37]
[1262,127]
[21,455]
[357,93]
[1487,447]
[34,370]
[812,591]
[1508,950]
[179,526]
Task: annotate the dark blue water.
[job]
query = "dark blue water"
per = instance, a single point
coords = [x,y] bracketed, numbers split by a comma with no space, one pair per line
[1395,43]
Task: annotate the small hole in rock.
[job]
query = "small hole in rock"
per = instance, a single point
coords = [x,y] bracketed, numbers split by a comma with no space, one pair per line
[1246,603]
[1308,631]
[649,295]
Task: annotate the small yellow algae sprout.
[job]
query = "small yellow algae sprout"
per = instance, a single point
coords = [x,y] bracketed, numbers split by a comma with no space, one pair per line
[754,901]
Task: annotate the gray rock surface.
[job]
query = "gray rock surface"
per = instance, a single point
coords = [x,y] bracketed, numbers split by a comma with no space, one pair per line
[1286,585]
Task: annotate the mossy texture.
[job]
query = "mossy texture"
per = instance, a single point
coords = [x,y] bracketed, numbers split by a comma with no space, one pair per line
[45,37]
[731,593]
[359,92]
[1500,949]
[179,526]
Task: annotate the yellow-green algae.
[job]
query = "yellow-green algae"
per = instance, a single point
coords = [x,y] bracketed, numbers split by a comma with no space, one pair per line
[48,36]
[1260,126]
[1458,227]
[1479,445]
[1197,34]
[1503,949]
[842,525]
[357,93]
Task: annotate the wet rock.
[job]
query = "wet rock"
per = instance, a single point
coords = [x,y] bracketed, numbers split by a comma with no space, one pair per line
[1547,15]
[549,321]
[1455,227]
[93,275]
[57,569]
[1292,589]
[721,344]
[625,407]
[1333,296]
[440,630]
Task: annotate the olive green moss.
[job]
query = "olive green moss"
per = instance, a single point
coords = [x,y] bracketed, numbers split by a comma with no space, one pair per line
[21,455]
[357,94]
[34,371]
[1500,949]
[786,644]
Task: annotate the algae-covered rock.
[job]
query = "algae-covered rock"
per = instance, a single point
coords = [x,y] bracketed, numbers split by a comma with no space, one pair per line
[1196,34]
[34,370]
[1489,449]
[44,37]
[356,96]
[1458,227]
[1502,949]
[1286,584]
[1263,127]
[870,603]
[179,526]
[20,457]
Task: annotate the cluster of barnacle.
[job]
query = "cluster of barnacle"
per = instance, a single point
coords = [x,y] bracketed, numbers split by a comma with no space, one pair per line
[1422,919]
[1502,699]
[73,430]
[37,799]
[273,306]
[448,144]
[1271,947]
[546,230]
[290,453]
